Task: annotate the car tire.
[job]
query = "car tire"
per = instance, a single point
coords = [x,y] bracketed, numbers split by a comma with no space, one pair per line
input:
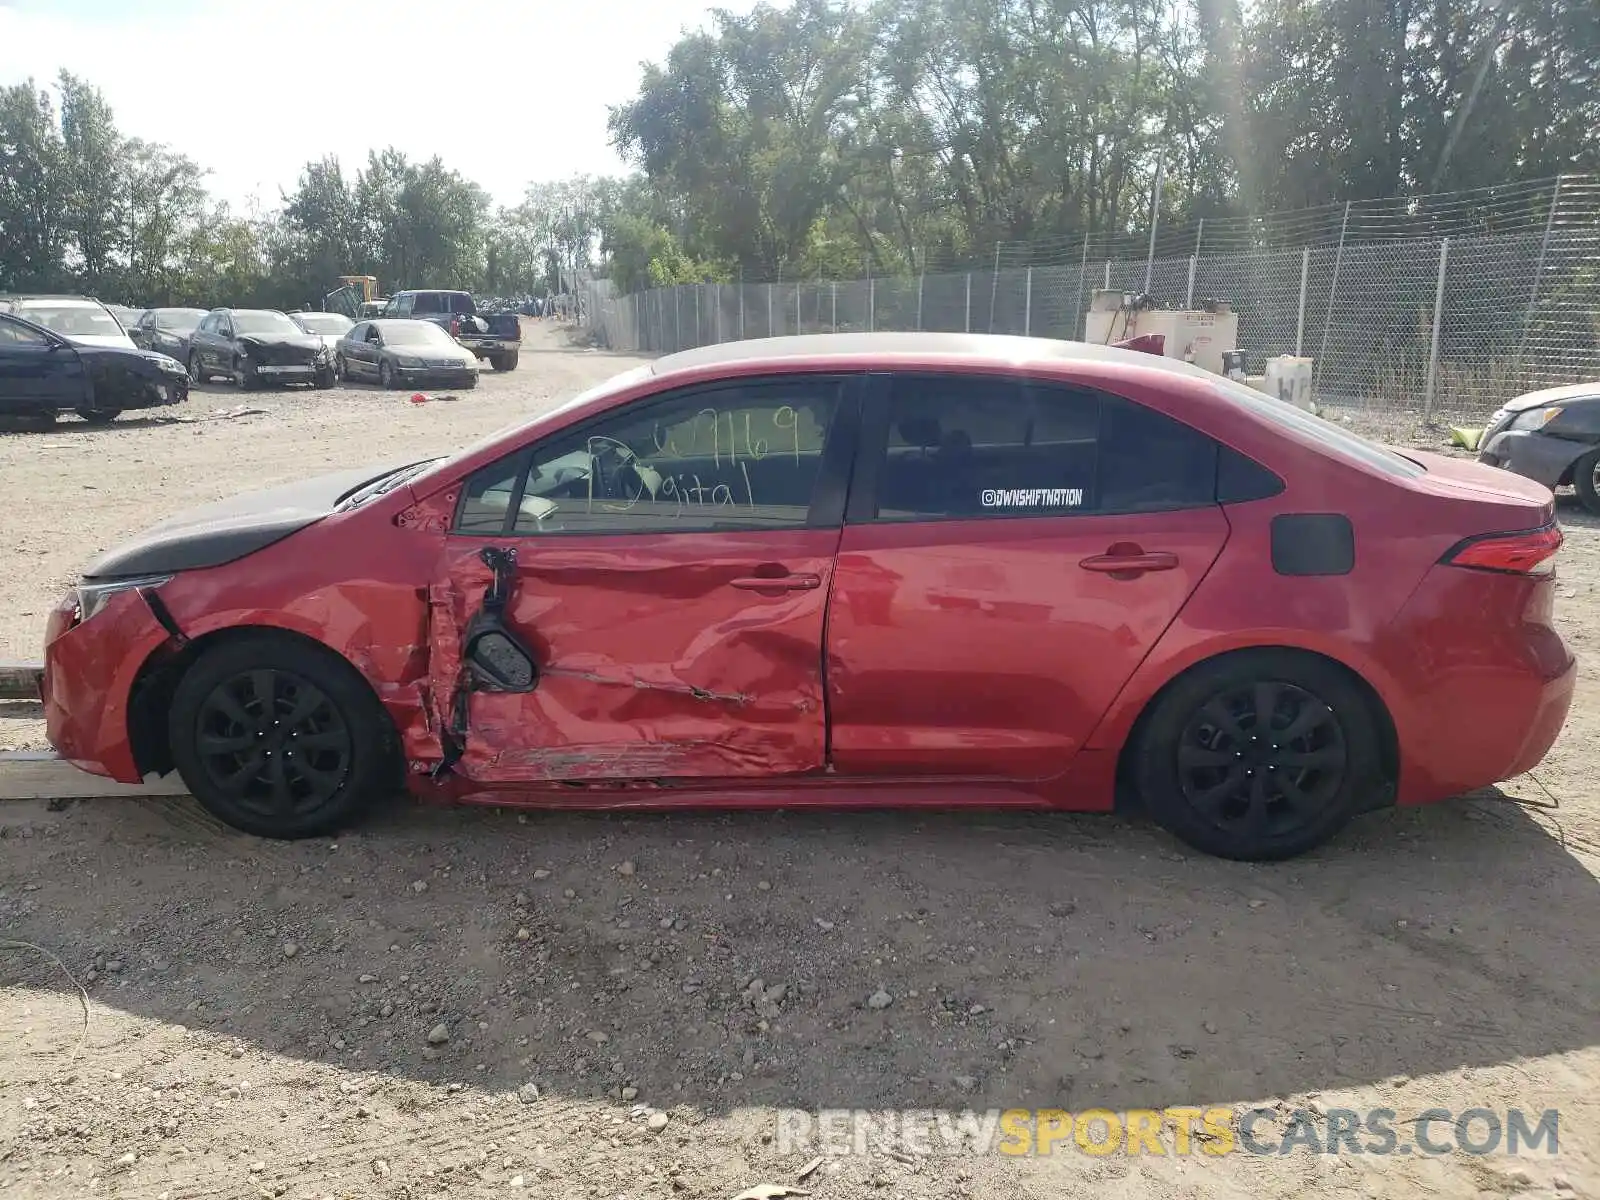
[325,379]
[386,375]
[228,727]
[504,362]
[1200,772]
[340,371]
[99,416]
[197,373]
[244,374]
[1583,481]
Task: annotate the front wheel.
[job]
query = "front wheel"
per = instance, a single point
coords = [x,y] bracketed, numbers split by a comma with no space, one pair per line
[386,376]
[282,739]
[99,416]
[325,377]
[197,371]
[1258,756]
[1584,473]
[244,374]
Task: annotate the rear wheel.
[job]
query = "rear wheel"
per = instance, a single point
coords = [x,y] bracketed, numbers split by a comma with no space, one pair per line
[1258,756]
[1584,479]
[386,377]
[99,416]
[281,739]
[504,362]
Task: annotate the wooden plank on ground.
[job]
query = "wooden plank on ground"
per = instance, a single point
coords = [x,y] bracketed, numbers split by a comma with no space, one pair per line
[40,775]
[20,680]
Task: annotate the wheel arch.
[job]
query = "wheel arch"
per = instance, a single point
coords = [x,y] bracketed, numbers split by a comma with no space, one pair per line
[150,697]
[1388,736]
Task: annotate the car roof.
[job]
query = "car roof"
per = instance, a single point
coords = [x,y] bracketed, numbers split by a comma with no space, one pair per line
[863,349]
[55,298]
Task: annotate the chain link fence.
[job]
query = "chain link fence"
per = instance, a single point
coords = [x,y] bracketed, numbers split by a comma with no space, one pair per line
[1443,327]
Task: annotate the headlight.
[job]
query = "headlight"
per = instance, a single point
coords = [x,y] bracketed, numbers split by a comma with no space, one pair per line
[405,360]
[1535,418]
[92,597]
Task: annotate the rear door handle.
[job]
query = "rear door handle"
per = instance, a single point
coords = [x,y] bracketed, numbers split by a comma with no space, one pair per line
[777,583]
[1132,564]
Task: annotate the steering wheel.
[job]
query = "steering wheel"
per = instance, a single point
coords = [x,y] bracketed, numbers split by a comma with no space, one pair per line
[610,459]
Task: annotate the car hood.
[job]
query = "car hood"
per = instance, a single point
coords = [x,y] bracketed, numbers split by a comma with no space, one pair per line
[300,341]
[119,340]
[214,534]
[1555,395]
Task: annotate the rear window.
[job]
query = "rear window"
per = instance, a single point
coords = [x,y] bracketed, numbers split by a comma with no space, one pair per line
[1342,441]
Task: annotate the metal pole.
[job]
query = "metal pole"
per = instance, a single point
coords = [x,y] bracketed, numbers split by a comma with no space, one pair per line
[1107,282]
[994,284]
[967,326]
[1188,292]
[872,303]
[1300,321]
[677,321]
[1333,285]
[638,325]
[920,279]
[797,308]
[1155,221]
[1027,306]
[697,341]
[769,310]
[834,298]
[1083,282]
[1198,234]
[1438,317]
[1538,270]
[716,311]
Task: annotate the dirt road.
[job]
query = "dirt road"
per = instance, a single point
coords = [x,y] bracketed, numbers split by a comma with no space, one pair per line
[477,1003]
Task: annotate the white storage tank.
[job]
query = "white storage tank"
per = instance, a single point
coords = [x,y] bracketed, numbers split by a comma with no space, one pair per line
[1197,336]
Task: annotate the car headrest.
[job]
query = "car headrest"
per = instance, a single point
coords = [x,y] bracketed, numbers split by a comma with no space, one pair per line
[919,431]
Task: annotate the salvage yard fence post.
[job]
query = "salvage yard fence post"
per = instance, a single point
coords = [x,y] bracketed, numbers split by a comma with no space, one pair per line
[1438,317]
[872,303]
[1027,305]
[833,301]
[1188,291]
[770,330]
[920,280]
[967,327]
[1300,319]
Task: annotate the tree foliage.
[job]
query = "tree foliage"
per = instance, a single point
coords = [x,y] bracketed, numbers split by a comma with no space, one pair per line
[826,138]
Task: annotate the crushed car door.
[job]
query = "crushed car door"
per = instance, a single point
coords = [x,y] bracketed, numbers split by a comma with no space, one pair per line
[643,597]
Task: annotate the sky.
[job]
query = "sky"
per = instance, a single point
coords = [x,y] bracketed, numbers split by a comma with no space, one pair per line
[253,89]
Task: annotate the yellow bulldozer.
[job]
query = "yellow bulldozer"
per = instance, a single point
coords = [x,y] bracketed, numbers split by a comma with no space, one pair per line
[356,297]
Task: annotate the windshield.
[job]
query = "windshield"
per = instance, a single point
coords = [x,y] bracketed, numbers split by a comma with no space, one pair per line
[1326,433]
[325,322]
[263,322]
[179,320]
[419,333]
[72,320]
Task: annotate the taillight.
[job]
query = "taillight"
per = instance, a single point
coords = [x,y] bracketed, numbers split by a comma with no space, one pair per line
[455,326]
[1526,552]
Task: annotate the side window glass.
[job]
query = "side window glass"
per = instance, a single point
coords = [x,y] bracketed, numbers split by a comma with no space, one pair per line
[486,500]
[424,303]
[1150,462]
[741,457]
[13,334]
[974,446]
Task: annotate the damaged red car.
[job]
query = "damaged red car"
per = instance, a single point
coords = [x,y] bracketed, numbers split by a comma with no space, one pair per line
[876,569]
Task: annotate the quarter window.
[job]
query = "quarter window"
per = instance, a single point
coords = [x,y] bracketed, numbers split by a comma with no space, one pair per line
[14,334]
[739,457]
[976,446]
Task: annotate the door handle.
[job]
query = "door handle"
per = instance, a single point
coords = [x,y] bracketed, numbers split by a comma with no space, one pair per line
[777,583]
[1130,564]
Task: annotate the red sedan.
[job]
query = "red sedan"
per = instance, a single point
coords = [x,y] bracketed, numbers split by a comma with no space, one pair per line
[879,569]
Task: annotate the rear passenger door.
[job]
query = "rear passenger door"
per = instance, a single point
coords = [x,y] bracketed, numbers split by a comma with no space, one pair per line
[1012,551]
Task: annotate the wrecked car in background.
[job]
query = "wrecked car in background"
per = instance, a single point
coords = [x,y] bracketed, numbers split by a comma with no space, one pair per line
[44,374]
[256,347]
[82,320]
[1552,436]
[908,569]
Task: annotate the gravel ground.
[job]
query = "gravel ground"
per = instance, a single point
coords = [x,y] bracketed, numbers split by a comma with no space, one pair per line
[480,1003]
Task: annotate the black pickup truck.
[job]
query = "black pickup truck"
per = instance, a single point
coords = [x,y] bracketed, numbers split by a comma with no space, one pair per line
[497,338]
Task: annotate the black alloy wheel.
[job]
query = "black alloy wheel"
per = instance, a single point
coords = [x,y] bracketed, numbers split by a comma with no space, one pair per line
[282,739]
[1258,756]
[197,373]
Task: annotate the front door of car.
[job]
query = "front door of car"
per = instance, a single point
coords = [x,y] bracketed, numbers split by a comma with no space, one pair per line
[667,568]
[1012,553]
[36,371]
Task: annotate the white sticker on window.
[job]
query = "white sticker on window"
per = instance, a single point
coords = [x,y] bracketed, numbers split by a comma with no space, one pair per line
[1032,497]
